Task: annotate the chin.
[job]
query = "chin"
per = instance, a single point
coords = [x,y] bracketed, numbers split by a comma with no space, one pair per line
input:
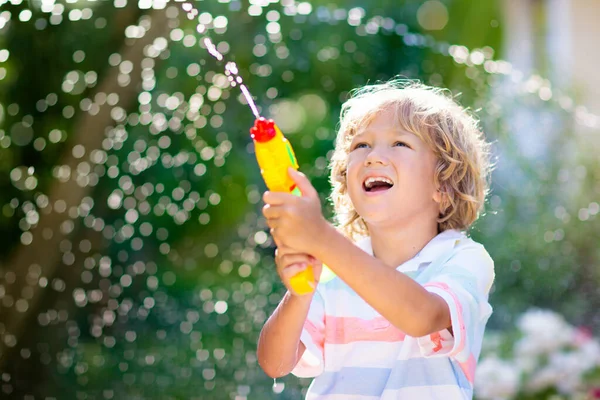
[380,218]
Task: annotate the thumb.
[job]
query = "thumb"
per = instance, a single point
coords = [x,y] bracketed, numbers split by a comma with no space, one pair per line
[302,183]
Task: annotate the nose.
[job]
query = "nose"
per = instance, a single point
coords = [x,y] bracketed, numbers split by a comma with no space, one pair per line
[376,156]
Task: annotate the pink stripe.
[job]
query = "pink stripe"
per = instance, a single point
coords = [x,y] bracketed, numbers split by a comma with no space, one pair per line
[459,312]
[468,368]
[315,333]
[344,330]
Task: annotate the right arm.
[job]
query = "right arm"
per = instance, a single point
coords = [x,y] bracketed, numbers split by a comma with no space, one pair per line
[279,345]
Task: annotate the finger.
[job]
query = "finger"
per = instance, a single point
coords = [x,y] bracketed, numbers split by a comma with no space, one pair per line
[317,270]
[277,198]
[289,259]
[272,211]
[292,270]
[284,261]
[303,183]
[272,223]
[283,250]
[278,255]
[275,235]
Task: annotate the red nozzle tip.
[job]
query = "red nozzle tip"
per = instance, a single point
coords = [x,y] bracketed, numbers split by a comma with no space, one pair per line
[263,130]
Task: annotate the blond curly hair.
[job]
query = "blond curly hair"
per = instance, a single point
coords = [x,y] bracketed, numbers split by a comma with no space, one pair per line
[463,155]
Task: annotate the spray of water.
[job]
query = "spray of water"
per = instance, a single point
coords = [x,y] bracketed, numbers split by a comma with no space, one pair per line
[461,55]
[232,71]
[212,49]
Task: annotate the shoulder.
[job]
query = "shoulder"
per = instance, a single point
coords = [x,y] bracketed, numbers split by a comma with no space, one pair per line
[472,257]
[459,247]
[470,252]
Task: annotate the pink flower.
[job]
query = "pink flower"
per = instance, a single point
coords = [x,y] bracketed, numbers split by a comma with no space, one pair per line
[595,393]
[583,334]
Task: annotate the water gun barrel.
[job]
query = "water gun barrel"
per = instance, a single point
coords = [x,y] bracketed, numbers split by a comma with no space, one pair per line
[275,155]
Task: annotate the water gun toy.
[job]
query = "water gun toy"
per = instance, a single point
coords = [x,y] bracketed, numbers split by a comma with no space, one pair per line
[275,155]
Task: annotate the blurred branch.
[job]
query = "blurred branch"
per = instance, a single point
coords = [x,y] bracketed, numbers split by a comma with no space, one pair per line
[21,281]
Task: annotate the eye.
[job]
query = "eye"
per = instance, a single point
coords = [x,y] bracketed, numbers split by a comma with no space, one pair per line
[360,146]
[401,144]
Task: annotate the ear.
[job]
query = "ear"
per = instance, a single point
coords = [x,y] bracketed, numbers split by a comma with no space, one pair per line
[442,198]
[438,196]
[440,193]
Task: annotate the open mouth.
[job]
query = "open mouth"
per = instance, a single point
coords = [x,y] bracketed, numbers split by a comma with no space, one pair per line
[377,184]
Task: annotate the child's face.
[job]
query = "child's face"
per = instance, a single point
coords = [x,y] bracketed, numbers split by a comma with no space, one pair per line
[382,149]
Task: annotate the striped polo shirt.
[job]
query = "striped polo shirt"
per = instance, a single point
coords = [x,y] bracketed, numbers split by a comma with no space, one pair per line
[355,353]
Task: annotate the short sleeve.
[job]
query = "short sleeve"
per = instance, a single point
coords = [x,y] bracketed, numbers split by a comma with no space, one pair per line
[313,337]
[464,283]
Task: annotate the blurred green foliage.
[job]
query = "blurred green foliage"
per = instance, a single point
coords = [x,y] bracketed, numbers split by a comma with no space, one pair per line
[167,274]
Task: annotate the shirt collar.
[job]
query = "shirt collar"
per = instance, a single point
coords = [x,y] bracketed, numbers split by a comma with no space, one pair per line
[437,246]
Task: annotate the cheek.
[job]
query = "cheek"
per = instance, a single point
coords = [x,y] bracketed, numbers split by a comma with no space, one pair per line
[426,177]
[416,174]
[350,183]
[351,161]
[351,171]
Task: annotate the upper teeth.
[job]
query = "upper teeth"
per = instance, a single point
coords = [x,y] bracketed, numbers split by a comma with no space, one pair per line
[370,181]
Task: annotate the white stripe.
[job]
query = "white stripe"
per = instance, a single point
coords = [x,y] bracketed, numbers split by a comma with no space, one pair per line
[446,392]
[310,396]
[348,304]
[371,354]
[311,362]
[361,354]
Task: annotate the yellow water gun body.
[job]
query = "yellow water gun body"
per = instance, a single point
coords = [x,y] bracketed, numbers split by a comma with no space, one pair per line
[275,155]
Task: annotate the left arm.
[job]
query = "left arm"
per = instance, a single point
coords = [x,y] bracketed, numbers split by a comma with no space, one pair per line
[398,298]
[297,223]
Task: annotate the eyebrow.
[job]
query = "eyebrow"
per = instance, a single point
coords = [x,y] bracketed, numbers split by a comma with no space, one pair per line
[397,132]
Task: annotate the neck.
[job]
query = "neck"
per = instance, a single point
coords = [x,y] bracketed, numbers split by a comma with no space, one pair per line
[395,245]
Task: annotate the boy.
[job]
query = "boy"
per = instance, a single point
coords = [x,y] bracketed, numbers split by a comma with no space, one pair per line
[404,317]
